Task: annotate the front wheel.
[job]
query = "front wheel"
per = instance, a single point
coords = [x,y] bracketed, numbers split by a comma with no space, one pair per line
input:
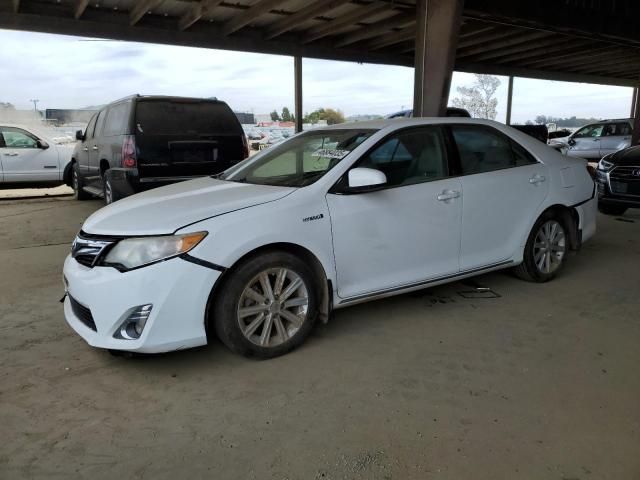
[267,306]
[611,209]
[545,251]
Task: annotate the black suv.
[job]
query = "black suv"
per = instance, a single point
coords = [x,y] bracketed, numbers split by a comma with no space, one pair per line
[618,180]
[141,142]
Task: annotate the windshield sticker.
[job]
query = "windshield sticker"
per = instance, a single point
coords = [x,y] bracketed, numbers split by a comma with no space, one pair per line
[330,153]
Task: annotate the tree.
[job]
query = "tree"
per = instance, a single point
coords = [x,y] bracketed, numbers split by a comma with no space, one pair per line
[542,120]
[286,115]
[329,114]
[275,117]
[479,99]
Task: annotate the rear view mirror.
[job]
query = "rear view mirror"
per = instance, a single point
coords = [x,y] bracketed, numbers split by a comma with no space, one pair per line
[42,144]
[79,135]
[365,179]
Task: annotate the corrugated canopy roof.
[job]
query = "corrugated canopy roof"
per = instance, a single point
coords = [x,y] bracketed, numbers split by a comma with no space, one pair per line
[576,40]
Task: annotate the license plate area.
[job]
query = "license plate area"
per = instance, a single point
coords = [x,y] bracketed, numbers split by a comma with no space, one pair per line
[183,153]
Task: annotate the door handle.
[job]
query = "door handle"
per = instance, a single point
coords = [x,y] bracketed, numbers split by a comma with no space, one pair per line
[50,166]
[448,195]
[86,149]
[537,178]
[95,147]
[11,154]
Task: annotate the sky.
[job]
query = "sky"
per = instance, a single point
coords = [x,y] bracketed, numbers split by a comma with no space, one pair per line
[71,72]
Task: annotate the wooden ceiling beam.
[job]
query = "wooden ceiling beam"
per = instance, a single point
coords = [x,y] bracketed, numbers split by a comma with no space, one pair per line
[243,19]
[378,28]
[196,12]
[141,8]
[302,15]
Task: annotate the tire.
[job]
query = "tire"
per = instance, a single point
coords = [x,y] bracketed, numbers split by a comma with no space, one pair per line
[611,209]
[110,194]
[77,183]
[273,334]
[544,258]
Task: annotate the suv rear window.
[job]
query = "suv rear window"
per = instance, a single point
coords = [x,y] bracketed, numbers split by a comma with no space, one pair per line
[175,117]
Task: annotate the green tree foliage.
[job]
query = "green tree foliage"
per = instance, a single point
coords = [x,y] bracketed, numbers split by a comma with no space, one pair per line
[286,115]
[329,114]
[569,122]
[274,116]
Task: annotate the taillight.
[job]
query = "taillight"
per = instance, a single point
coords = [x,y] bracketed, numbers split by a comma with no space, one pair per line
[129,151]
[245,146]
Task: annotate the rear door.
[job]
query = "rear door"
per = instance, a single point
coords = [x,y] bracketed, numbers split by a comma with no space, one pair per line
[186,138]
[24,161]
[615,136]
[503,186]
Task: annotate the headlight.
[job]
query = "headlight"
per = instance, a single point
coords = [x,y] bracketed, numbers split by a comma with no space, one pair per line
[136,252]
[605,165]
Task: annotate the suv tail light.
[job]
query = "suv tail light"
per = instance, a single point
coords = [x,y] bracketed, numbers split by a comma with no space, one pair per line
[129,151]
[245,146]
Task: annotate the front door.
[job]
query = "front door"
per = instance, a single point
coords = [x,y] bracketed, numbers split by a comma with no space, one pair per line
[406,233]
[503,187]
[23,160]
[585,143]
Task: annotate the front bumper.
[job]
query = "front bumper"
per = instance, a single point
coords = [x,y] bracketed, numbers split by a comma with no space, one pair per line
[607,196]
[177,289]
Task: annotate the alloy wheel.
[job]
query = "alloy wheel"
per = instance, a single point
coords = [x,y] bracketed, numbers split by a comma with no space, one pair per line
[74,181]
[273,307]
[549,247]
[108,193]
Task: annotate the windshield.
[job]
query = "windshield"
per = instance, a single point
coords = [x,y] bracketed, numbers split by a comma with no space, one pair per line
[300,161]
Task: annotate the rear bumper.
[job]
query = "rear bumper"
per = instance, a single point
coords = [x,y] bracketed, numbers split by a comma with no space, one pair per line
[127,181]
[177,289]
[587,213]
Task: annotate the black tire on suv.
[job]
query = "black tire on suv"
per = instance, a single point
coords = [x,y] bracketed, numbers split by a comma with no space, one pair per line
[77,183]
[110,193]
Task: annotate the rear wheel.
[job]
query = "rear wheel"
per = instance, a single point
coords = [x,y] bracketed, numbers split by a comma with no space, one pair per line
[611,209]
[110,194]
[545,251]
[77,183]
[268,305]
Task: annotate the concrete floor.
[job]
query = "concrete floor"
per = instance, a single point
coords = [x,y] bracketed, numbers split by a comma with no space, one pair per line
[541,382]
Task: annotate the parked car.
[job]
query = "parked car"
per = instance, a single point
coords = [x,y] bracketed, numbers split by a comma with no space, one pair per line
[141,142]
[326,219]
[539,132]
[451,112]
[29,158]
[596,140]
[618,180]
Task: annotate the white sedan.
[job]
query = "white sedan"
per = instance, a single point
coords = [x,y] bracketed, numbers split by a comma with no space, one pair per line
[324,220]
[31,158]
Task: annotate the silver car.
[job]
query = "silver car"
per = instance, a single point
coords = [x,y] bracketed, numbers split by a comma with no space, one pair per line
[596,140]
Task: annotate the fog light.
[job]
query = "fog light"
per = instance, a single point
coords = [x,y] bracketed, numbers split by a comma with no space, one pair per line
[134,324]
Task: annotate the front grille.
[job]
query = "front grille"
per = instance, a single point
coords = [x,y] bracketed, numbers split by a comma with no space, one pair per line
[626,172]
[83,313]
[88,250]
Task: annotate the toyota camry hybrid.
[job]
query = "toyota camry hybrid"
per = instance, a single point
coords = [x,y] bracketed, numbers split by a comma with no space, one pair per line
[326,219]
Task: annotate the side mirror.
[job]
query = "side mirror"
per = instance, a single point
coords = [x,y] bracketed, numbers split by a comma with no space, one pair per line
[571,142]
[79,135]
[365,180]
[42,144]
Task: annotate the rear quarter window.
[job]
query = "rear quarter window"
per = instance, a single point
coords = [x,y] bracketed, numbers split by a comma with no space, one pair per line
[117,120]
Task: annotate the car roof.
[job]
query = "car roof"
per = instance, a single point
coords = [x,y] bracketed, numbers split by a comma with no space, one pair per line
[410,122]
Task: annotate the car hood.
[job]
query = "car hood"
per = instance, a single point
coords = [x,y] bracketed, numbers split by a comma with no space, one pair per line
[167,209]
[627,157]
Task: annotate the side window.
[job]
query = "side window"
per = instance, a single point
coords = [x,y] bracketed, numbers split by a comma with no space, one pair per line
[117,119]
[619,129]
[484,150]
[18,138]
[99,124]
[590,131]
[409,157]
[88,133]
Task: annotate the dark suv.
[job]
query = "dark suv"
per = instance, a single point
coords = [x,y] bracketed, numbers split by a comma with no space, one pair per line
[618,180]
[141,142]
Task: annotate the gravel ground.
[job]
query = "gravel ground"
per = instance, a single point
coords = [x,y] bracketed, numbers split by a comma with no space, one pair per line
[536,382]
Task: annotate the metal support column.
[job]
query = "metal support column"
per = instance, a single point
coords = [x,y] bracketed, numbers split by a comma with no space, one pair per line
[438,23]
[509,100]
[635,110]
[297,73]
